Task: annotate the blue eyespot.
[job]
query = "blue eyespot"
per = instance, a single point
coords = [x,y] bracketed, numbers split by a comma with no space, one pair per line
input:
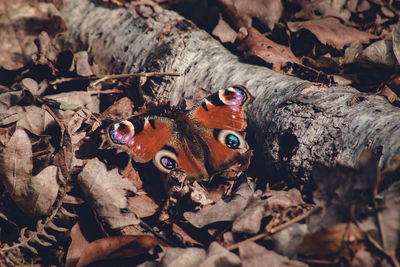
[232,141]
[168,163]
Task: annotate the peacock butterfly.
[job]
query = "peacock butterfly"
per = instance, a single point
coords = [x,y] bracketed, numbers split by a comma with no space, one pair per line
[202,141]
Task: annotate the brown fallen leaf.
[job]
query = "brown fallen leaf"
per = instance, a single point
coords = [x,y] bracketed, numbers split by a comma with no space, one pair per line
[333,242]
[281,200]
[344,192]
[253,255]
[250,220]
[82,64]
[17,42]
[142,205]
[378,54]
[34,195]
[106,192]
[257,45]
[390,95]
[221,211]
[314,9]
[389,218]
[78,244]
[224,32]
[396,41]
[330,31]
[117,247]
[120,110]
[242,12]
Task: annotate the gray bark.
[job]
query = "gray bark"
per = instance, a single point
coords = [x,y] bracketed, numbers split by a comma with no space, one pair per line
[295,122]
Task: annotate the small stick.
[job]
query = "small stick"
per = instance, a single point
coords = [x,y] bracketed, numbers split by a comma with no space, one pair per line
[114,76]
[275,229]
[48,109]
[110,91]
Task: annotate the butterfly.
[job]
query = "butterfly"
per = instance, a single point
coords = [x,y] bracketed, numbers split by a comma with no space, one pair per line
[202,141]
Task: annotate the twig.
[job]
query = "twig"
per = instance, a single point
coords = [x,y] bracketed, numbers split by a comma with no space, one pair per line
[57,104]
[114,76]
[275,229]
[110,91]
[48,109]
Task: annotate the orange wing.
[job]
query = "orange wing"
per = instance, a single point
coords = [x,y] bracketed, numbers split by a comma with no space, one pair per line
[224,109]
[141,138]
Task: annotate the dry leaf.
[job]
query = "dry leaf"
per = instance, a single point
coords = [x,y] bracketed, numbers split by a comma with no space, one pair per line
[256,44]
[142,205]
[221,211]
[327,243]
[224,32]
[35,195]
[183,257]
[281,200]
[250,220]
[242,12]
[117,247]
[396,41]
[78,244]
[82,64]
[330,31]
[313,9]
[120,110]
[106,193]
[20,22]
[344,192]
[378,54]
[254,255]
[389,218]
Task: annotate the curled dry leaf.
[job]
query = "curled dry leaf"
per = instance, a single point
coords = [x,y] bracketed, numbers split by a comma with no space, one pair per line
[256,44]
[117,247]
[35,195]
[242,12]
[390,95]
[378,54]
[106,193]
[251,254]
[330,31]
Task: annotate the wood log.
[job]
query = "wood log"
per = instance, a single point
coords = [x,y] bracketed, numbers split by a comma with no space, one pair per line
[295,122]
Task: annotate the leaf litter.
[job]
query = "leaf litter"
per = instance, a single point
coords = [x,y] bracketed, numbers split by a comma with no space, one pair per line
[56,165]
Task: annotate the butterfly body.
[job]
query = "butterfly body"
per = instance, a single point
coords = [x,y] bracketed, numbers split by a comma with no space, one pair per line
[206,139]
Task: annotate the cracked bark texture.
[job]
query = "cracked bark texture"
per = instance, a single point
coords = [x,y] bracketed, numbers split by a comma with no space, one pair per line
[294,121]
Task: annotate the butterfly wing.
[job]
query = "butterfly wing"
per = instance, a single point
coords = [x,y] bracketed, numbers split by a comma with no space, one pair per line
[224,109]
[157,139]
[223,115]
[140,137]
